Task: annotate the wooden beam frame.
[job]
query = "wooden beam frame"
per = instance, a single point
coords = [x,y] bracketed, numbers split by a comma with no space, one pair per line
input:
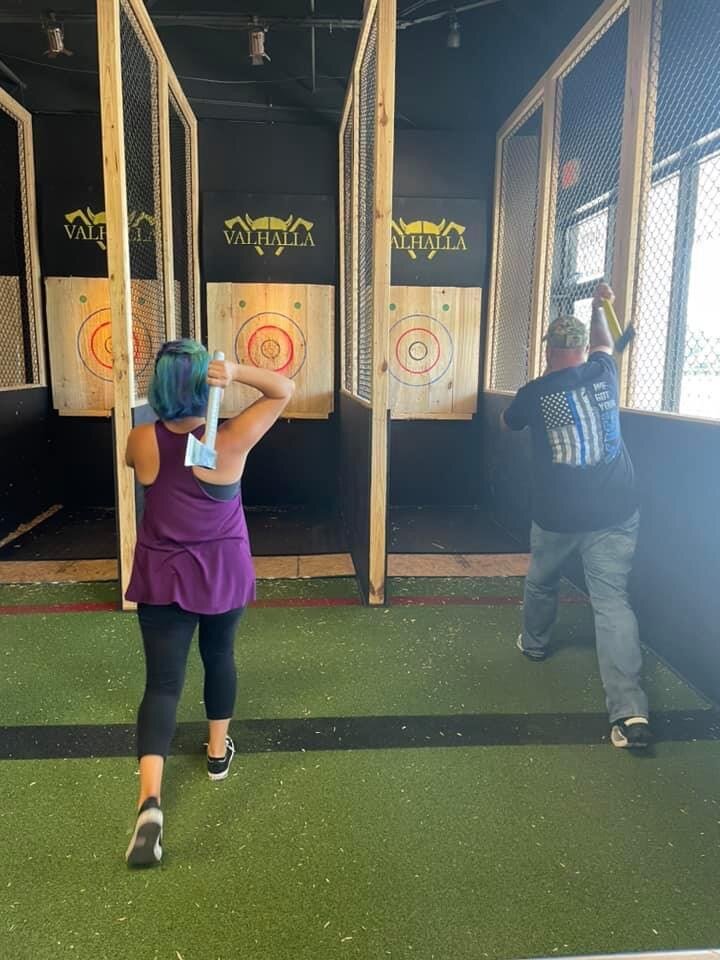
[194,206]
[635,167]
[118,255]
[548,89]
[544,223]
[166,205]
[342,174]
[384,160]
[32,278]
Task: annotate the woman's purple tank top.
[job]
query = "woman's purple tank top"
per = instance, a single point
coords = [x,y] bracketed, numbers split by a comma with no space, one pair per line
[191,549]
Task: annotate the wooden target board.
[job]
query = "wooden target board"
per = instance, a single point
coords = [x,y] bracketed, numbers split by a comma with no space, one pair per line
[434,351]
[79,334]
[288,328]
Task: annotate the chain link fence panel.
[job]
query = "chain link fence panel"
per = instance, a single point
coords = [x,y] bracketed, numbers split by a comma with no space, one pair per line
[181,191]
[19,356]
[675,360]
[515,253]
[349,339]
[140,91]
[589,107]
[366,213]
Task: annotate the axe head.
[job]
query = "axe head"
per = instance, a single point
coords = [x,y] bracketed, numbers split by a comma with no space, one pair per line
[198,454]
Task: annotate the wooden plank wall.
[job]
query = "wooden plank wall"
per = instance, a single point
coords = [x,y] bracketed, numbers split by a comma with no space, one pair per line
[434,346]
[285,327]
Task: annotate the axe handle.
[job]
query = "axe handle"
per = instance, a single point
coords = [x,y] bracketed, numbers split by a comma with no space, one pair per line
[213,409]
[612,320]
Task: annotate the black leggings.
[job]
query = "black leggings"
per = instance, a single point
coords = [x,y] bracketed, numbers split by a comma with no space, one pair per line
[167,633]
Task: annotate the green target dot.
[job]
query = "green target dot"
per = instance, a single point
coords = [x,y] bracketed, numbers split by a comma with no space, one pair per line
[241,304]
[83,299]
[298,305]
[446,307]
[142,301]
[393,307]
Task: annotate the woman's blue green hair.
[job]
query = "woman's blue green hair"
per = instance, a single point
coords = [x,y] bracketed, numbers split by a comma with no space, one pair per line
[179,385]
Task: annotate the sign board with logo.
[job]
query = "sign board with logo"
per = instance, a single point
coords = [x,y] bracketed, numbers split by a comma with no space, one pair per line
[79,336]
[288,328]
[438,242]
[268,238]
[434,349]
[73,238]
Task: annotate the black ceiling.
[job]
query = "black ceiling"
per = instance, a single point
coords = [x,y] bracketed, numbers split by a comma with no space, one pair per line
[506,44]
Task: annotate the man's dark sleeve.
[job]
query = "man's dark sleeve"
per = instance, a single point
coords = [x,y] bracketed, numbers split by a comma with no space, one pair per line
[517,415]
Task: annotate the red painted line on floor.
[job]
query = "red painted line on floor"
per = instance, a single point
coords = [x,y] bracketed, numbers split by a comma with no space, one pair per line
[489,601]
[307,602]
[20,608]
[290,602]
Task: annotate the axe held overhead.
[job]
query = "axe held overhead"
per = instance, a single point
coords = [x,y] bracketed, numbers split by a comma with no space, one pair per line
[202,453]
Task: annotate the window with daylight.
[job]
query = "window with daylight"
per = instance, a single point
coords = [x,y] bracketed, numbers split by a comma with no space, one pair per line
[676,361]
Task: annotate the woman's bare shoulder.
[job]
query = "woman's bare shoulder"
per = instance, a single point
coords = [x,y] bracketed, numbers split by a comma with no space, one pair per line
[143,431]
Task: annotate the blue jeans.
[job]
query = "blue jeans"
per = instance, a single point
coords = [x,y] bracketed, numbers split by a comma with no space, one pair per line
[607,559]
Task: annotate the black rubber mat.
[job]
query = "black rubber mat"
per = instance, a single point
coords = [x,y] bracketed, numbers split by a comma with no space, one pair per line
[290,531]
[77,533]
[447,530]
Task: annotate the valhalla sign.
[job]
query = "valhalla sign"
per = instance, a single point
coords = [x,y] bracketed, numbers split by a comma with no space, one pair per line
[87,225]
[424,237]
[269,234]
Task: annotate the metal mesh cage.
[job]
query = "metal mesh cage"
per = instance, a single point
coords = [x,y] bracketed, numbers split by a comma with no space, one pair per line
[19,354]
[590,99]
[350,353]
[181,188]
[142,170]
[366,213]
[675,362]
[515,252]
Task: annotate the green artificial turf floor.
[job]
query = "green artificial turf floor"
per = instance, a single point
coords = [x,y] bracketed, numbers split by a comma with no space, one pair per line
[431,853]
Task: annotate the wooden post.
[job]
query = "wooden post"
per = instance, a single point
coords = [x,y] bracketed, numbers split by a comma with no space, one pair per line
[384,159]
[166,205]
[28,200]
[118,256]
[544,225]
[194,214]
[342,273]
[637,139]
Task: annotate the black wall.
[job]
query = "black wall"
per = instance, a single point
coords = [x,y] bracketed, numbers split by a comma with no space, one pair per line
[27,484]
[677,567]
[68,158]
[355,443]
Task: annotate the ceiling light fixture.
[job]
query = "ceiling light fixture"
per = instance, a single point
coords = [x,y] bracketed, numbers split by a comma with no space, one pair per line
[453,38]
[258,56]
[55,32]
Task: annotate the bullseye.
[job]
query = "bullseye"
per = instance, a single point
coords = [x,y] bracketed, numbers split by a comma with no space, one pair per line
[421,350]
[94,344]
[272,341]
[417,350]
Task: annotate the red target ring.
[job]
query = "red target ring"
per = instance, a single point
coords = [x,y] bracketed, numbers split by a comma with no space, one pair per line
[272,341]
[272,348]
[422,350]
[415,348]
[94,344]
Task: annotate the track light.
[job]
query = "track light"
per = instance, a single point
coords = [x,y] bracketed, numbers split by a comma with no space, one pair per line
[257,44]
[453,38]
[55,33]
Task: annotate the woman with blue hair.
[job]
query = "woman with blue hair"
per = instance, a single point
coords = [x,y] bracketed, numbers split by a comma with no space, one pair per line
[192,564]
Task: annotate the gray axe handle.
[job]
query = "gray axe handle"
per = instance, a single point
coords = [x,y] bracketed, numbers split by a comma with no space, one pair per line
[213,409]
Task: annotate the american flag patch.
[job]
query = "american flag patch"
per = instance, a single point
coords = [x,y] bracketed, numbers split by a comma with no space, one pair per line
[574,428]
